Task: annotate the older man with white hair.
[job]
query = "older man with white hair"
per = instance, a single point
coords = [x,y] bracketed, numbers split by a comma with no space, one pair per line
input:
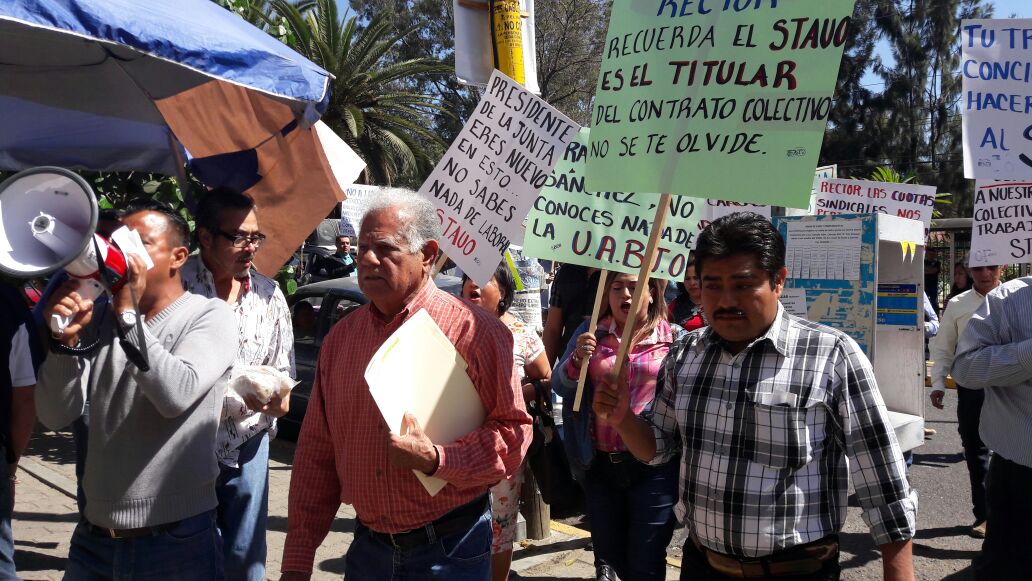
[346,453]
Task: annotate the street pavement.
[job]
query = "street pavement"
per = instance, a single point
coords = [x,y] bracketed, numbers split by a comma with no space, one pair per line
[45,515]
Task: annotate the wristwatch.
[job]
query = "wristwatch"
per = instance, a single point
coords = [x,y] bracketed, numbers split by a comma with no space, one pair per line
[127,318]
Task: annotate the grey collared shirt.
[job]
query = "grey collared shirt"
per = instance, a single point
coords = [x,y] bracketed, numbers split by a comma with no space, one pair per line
[995,354]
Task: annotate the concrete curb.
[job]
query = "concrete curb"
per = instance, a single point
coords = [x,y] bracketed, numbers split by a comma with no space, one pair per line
[40,471]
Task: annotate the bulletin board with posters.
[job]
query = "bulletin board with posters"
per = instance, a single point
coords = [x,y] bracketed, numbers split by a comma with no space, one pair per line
[863,274]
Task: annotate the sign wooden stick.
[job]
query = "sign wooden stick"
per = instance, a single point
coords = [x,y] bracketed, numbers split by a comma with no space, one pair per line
[438,265]
[643,282]
[599,297]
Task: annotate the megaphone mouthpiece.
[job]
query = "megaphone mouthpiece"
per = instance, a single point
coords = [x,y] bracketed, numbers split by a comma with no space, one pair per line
[55,235]
[47,219]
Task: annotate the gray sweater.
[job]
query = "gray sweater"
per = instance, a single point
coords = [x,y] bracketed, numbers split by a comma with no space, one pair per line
[152,435]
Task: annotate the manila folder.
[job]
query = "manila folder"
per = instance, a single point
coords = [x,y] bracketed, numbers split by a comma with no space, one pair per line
[417,370]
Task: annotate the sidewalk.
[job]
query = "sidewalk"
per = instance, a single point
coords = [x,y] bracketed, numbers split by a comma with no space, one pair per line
[46,513]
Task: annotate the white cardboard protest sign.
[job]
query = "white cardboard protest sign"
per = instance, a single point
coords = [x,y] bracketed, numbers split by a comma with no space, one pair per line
[719,208]
[488,179]
[353,208]
[835,196]
[1001,232]
[997,98]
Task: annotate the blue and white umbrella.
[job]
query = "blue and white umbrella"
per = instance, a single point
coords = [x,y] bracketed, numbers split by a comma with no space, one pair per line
[147,85]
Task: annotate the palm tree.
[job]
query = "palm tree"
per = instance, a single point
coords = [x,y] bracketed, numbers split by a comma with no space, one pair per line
[370,106]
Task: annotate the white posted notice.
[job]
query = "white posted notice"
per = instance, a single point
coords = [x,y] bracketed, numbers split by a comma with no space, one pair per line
[824,249]
[488,179]
[794,301]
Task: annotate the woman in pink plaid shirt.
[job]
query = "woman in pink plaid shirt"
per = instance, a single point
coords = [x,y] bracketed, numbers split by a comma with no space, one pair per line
[630,504]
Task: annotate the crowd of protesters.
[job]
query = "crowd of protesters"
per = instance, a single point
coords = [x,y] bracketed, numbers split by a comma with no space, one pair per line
[729,416]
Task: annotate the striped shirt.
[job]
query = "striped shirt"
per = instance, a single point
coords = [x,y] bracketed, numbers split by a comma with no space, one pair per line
[341,455]
[766,434]
[995,354]
[266,338]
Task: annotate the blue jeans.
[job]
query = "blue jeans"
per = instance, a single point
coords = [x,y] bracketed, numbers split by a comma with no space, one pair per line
[190,551]
[7,570]
[243,511]
[631,507]
[463,556]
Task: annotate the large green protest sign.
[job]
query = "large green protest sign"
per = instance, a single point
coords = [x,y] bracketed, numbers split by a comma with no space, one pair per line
[725,99]
[606,229]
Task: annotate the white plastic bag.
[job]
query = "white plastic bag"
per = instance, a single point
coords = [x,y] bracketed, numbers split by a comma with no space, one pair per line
[262,381]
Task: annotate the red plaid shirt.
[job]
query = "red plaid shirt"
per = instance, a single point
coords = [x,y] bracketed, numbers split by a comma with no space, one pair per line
[342,451]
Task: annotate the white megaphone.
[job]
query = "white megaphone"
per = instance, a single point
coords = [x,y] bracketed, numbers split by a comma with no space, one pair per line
[48,219]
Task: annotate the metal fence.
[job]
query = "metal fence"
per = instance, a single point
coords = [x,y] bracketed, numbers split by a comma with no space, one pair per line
[949,242]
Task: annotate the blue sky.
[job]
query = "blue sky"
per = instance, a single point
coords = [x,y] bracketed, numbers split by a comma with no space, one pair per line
[1004,8]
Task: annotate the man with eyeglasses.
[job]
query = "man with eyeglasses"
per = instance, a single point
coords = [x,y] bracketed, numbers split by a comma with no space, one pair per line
[229,237]
[942,350]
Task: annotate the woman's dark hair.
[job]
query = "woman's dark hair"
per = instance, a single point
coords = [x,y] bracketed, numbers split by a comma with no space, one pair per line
[506,284]
[742,233]
[212,204]
[180,230]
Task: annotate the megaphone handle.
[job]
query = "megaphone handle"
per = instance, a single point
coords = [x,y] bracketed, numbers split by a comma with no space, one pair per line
[137,353]
[88,289]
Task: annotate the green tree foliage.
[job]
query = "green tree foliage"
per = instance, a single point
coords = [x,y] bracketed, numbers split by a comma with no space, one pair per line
[372,105]
[912,124]
[432,23]
[569,37]
[848,140]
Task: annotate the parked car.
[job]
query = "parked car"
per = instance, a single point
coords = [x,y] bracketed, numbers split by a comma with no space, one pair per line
[327,303]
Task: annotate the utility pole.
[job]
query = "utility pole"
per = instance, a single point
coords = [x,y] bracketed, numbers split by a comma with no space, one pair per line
[507,42]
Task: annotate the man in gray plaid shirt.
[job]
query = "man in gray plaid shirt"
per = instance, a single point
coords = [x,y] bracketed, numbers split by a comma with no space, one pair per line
[764,408]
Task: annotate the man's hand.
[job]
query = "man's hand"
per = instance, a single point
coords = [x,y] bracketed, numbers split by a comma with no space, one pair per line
[277,407]
[936,396]
[612,399]
[295,576]
[413,449]
[66,302]
[136,271]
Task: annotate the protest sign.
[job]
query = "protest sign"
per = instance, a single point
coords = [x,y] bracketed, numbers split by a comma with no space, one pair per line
[353,208]
[997,100]
[912,201]
[716,99]
[1001,232]
[714,209]
[607,230]
[488,179]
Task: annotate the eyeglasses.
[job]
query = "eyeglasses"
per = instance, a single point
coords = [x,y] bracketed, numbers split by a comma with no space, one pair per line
[242,240]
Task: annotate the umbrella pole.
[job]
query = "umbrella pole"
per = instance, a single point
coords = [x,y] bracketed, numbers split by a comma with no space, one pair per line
[189,200]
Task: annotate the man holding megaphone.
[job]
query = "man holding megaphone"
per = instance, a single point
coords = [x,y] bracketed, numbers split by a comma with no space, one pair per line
[151,469]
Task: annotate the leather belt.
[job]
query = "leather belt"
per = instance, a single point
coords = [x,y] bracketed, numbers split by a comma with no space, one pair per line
[461,519]
[131,533]
[801,560]
[617,457]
